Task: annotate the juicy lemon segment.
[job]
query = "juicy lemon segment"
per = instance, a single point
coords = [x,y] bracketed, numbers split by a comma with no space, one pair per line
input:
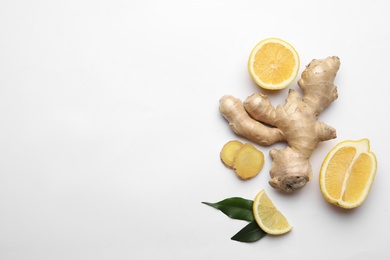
[268,217]
[347,173]
[339,163]
[273,64]
[359,176]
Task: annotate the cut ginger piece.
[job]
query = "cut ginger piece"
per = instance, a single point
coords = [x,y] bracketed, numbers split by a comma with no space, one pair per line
[248,161]
[228,152]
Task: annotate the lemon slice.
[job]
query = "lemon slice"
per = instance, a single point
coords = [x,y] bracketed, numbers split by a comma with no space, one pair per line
[268,217]
[347,173]
[273,64]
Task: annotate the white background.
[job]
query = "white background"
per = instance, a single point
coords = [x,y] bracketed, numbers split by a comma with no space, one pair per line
[110,132]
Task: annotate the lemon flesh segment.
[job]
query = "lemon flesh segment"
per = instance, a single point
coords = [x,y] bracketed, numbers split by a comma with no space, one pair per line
[359,181]
[337,170]
[273,64]
[268,217]
[347,173]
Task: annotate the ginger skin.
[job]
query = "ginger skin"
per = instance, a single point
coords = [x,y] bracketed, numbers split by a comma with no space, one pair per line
[295,122]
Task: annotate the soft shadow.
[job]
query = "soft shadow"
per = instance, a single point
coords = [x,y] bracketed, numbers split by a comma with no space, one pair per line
[338,210]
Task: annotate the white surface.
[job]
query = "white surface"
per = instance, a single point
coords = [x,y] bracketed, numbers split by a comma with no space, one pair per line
[110,131]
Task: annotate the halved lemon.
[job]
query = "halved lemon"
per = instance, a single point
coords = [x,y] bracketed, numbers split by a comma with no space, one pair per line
[268,217]
[273,64]
[347,173]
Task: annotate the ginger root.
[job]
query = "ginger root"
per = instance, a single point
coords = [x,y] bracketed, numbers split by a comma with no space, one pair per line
[248,162]
[295,122]
[245,159]
[228,152]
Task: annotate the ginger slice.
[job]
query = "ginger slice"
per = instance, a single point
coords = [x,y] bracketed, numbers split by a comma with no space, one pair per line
[248,162]
[228,152]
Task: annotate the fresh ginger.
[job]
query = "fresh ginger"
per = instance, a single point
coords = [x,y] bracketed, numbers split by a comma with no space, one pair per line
[229,151]
[245,159]
[248,162]
[295,123]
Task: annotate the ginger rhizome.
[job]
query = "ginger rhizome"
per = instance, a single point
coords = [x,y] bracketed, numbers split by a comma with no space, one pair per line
[228,152]
[295,122]
[245,159]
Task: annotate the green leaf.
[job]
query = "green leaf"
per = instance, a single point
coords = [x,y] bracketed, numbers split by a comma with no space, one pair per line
[235,208]
[250,233]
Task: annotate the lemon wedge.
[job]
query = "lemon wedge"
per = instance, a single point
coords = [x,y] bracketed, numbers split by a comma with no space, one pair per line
[268,217]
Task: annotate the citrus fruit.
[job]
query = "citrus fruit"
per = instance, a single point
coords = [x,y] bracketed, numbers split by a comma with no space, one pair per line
[347,173]
[273,64]
[268,217]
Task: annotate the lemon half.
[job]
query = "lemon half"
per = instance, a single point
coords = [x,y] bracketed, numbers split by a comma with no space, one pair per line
[273,64]
[347,173]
